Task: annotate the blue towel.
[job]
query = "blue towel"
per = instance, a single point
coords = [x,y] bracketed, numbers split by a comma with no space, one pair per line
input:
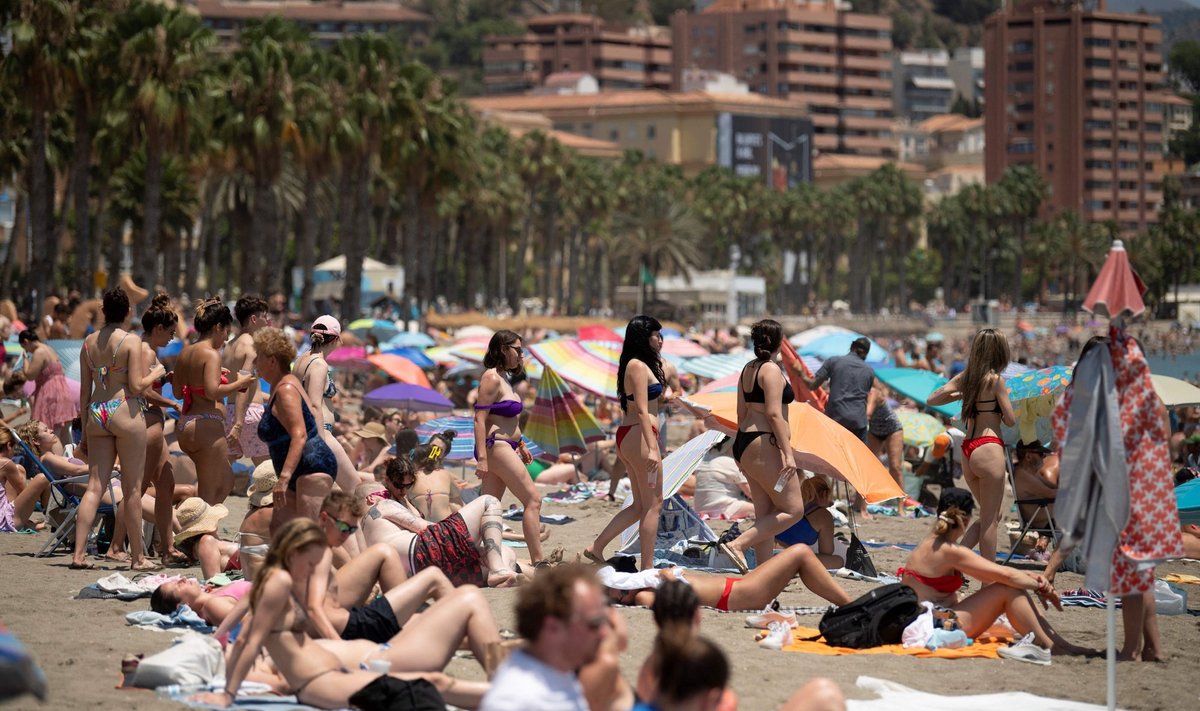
[182,618]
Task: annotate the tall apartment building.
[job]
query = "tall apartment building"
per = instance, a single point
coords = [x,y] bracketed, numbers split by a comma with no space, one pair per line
[327,20]
[921,84]
[814,52]
[618,57]
[966,71]
[1077,91]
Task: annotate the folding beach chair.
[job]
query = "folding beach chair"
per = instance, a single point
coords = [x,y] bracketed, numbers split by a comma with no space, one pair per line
[1040,511]
[66,500]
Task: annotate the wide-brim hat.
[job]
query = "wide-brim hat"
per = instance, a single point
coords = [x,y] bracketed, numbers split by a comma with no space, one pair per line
[372,429]
[197,517]
[262,483]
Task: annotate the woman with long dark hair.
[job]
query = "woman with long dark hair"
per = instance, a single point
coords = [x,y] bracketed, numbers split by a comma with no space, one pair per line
[499,454]
[112,380]
[640,383]
[202,383]
[52,401]
[985,406]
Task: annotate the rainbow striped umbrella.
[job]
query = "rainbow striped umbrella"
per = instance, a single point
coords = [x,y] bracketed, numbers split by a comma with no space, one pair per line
[462,449]
[350,358]
[442,355]
[683,348]
[596,332]
[559,422]
[718,365]
[676,468]
[475,354]
[579,365]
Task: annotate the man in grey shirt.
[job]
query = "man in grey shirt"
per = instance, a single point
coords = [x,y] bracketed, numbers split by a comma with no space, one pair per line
[850,380]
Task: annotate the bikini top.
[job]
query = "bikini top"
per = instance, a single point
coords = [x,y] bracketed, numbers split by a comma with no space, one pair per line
[330,389]
[299,617]
[653,392]
[945,584]
[103,370]
[995,408]
[504,408]
[758,395]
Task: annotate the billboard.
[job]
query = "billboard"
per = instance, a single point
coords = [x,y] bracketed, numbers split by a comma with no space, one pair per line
[776,149]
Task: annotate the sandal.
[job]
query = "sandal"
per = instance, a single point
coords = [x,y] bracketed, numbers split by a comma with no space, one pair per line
[739,560]
[587,553]
[86,565]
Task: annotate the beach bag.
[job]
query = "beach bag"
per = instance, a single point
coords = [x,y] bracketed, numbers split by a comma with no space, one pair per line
[873,620]
[858,560]
[192,659]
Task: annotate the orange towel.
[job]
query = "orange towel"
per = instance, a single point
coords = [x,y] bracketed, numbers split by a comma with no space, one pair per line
[984,647]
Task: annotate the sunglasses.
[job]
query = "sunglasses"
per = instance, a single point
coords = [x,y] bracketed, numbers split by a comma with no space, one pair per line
[344,528]
[517,349]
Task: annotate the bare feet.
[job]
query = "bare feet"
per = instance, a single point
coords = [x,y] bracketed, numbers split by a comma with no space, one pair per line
[117,557]
[590,555]
[143,565]
[504,579]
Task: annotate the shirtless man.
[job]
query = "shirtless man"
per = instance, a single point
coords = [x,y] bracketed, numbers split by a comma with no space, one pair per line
[466,545]
[1036,477]
[252,314]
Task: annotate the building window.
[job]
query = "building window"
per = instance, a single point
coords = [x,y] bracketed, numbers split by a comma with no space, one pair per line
[1094,125]
[1022,47]
[651,132]
[1021,147]
[1097,84]
[1020,67]
[614,135]
[1096,42]
[1097,63]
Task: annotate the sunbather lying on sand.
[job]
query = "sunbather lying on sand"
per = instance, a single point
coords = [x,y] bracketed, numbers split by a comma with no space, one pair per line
[752,592]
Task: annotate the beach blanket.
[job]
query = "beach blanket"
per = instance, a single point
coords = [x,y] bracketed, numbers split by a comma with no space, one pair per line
[897,696]
[576,494]
[182,618]
[252,697]
[515,514]
[1182,578]
[984,647]
[119,587]
[1082,597]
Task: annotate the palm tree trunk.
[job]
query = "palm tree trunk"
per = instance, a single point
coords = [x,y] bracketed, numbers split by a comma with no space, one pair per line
[41,195]
[518,277]
[145,256]
[84,248]
[20,218]
[261,242]
[1018,265]
[411,238]
[357,238]
[212,257]
[306,251]
[578,240]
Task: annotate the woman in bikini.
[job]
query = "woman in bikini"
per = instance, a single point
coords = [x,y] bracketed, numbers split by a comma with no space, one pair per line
[18,495]
[304,462]
[329,674]
[754,591]
[201,382]
[112,380]
[52,400]
[501,460]
[985,405]
[763,447]
[815,529]
[434,494]
[158,328]
[325,335]
[936,570]
[640,381]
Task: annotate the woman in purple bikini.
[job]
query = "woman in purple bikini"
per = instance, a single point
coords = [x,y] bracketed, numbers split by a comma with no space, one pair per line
[502,458]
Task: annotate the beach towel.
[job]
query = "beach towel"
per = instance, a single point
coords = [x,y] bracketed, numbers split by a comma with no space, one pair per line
[897,696]
[119,587]
[251,697]
[985,647]
[576,494]
[182,618]
[1181,578]
[515,514]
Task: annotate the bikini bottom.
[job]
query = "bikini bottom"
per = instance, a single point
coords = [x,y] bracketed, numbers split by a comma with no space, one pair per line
[102,411]
[745,439]
[624,430]
[723,603]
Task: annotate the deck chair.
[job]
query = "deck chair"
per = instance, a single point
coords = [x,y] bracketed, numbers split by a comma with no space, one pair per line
[66,500]
[1040,510]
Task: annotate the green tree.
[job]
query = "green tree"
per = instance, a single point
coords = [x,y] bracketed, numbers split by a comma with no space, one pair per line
[1023,190]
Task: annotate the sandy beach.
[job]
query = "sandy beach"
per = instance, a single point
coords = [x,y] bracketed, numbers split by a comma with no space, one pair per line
[80,643]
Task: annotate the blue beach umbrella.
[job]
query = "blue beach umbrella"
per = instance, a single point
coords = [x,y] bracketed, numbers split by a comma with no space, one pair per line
[919,385]
[409,339]
[415,355]
[717,365]
[838,344]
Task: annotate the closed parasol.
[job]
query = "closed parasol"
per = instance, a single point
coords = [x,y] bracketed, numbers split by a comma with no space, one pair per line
[1118,289]
[559,422]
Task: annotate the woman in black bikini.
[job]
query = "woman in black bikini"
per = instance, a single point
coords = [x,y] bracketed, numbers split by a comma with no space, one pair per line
[763,448]
[499,455]
[640,380]
[303,461]
[314,670]
[985,405]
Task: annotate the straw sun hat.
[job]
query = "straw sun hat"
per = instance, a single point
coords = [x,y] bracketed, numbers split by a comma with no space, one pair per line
[372,429]
[262,483]
[197,517]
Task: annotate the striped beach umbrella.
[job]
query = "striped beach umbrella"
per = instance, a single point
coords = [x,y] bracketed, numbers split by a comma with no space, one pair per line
[559,422]
[718,365]
[578,365]
[676,468]
[462,449]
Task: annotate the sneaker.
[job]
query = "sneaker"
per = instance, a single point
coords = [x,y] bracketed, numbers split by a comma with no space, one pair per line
[1024,650]
[779,634]
[763,620]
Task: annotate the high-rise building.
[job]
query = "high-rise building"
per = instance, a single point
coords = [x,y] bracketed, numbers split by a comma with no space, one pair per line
[921,84]
[1076,91]
[327,20]
[618,57]
[966,71]
[814,52]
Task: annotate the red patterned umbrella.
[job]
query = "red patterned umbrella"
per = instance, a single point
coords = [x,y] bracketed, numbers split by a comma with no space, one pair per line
[1118,289]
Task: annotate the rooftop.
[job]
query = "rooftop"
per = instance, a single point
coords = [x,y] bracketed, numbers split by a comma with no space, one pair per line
[311,10]
[949,122]
[636,98]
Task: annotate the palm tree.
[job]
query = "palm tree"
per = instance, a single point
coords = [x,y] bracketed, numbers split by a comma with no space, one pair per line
[541,170]
[660,235]
[162,52]
[1024,190]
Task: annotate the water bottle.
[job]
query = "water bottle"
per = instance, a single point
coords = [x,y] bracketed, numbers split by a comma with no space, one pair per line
[783,478]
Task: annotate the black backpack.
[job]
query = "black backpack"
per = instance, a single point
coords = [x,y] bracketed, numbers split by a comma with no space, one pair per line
[873,620]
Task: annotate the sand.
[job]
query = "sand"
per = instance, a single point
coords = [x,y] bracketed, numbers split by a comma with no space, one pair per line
[80,643]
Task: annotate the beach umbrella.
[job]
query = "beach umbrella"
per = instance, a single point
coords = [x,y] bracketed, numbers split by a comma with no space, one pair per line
[68,356]
[596,332]
[609,351]
[578,366]
[416,355]
[683,348]
[470,352]
[1175,392]
[838,344]
[917,385]
[442,355]
[1118,289]
[559,422]
[409,339]
[406,396]
[1014,369]
[799,368]
[380,329]
[349,358]
[718,365]
[172,349]
[1039,383]
[676,468]
[920,429]
[462,449]
[667,332]
[723,384]
[400,368]
[473,332]
[799,340]
[820,444]
[1187,498]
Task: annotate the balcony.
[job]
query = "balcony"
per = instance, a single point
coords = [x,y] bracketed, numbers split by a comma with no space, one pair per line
[867,123]
[819,39]
[876,44]
[874,64]
[868,83]
[867,102]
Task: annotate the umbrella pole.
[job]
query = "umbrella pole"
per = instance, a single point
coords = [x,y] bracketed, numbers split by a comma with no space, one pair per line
[1112,651]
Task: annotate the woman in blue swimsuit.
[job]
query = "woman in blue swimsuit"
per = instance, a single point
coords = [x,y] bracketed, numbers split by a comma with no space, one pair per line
[499,455]
[303,461]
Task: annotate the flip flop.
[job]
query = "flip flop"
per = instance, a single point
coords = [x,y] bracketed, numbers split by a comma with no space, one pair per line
[739,560]
[587,553]
[81,566]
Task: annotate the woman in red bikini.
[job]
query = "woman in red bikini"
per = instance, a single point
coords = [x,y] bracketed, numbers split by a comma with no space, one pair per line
[501,460]
[936,570]
[985,405]
[200,382]
[640,383]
